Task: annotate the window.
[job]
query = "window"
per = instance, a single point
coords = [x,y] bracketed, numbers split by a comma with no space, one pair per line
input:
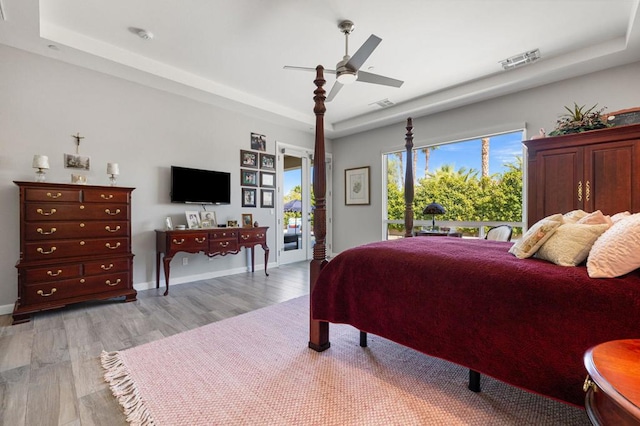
[478,182]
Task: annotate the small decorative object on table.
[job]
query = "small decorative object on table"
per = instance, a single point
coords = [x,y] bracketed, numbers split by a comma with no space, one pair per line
[41,163]
[247,220]
[433,209]
[580,120]
[113,170]
[78,179]
[255,224]
[168,224]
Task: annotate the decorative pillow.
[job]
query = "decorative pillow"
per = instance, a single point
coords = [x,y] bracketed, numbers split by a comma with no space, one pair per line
[619,216]
[595,218]
[536,236]
[617,251]
[574,216]
[570,244]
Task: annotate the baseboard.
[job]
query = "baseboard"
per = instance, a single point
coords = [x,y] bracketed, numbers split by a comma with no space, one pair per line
[8,309]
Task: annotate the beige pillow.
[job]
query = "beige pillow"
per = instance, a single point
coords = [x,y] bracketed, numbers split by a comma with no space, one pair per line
[595,218]
[617,251]
[570,244]
[574,216]
[536,236]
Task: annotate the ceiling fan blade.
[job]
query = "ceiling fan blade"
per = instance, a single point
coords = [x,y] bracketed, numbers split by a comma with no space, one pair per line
[334,91]
[368,77]
[289,67]
[364,52]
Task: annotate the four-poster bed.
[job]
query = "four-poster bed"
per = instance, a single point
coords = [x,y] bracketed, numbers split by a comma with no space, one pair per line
[527,322]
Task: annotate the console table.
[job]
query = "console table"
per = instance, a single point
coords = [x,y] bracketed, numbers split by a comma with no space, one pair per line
[212,242]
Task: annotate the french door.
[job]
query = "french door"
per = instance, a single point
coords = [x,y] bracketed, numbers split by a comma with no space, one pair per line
[295,204]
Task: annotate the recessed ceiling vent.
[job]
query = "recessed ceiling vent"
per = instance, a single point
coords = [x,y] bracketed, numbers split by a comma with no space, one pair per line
[520,59]
[384,103]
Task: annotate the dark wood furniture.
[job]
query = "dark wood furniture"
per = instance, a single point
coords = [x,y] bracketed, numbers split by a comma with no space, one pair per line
[212,242]
[597,170]
[613,384]
[75,245]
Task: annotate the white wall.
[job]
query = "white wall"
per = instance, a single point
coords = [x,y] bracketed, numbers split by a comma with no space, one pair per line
[616,89]
[44,101]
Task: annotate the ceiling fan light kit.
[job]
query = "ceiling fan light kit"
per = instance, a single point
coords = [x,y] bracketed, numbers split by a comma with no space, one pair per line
[348,69]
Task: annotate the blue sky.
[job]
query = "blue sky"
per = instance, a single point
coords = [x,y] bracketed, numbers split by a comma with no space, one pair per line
[503,149]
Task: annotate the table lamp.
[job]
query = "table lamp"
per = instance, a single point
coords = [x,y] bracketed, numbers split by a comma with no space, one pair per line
[433,209]
[113,170]
[40,162]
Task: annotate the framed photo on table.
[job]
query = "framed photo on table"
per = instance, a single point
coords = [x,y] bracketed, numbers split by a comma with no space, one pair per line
[193,219]
[208,219]
[247,220]
[357,189]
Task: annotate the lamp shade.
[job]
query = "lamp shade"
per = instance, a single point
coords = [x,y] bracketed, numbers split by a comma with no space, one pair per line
[434,208]
[113,169]
[40,162]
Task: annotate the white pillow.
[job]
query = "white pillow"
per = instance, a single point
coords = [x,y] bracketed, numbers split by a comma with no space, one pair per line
[573,216]
[617,251]
[570,244]
[536,236]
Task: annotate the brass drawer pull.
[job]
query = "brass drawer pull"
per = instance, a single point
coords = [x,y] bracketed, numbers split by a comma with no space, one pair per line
[54,274]
[108,245]
[106,268]
[43,294]
[82,243]
[260,235]
[245,237]
[43,232]
[106,197]
[108,211]
[224,243]
[174,241]
[580,191]
[49,213]
[108,228]
[41,250]
[82,280]
[201,240]
[589,384]
[54,196]
[587,191]
[109,283]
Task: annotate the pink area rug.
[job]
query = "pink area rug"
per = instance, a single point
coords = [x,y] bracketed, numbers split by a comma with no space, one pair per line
[256,369]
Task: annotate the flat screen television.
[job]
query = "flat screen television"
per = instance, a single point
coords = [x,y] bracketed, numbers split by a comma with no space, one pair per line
[200,186]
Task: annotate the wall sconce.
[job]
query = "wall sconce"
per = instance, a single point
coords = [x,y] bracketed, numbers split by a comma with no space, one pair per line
[41,163]
[113,171]
[433,209]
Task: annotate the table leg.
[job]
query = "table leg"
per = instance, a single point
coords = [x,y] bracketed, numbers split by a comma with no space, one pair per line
[266,258]
[158,269]
[167,270]
[253,260]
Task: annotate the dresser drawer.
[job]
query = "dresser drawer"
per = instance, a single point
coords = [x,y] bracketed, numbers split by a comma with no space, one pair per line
[106,266]
[58,249]
[194,242]
[253,236]
[40,231]
[52,195]
[53,273]
[224,234]
[85,211]
[105,195]
[221,246]
[43,293]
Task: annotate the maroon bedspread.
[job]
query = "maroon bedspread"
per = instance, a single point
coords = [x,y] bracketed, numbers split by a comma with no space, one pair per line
[525,322]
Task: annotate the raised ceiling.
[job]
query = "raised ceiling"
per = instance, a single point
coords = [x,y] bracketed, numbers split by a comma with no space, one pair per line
[232,53]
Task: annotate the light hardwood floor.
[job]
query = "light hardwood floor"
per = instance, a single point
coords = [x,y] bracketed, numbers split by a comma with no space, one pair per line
[50,372]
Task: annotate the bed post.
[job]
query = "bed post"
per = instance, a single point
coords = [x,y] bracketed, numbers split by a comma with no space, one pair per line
[319,330]
[408,182]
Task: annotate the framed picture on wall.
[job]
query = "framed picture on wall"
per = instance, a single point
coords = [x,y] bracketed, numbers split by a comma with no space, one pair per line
[356,186]
[267,162]
[266,198]
[248,177]
[248,159]
[248,197]
[268,180]
[258,142]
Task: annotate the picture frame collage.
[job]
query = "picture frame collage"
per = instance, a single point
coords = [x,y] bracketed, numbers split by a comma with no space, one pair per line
[257,174]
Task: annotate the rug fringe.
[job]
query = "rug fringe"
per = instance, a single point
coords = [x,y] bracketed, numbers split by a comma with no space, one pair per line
[124,389]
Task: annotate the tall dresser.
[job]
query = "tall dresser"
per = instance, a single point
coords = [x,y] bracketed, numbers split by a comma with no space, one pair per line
[75,245]
[596,170]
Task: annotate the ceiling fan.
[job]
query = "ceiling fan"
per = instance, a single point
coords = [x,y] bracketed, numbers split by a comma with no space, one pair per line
[348,69]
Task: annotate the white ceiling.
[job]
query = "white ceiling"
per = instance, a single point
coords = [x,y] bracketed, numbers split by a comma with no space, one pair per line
[232,53]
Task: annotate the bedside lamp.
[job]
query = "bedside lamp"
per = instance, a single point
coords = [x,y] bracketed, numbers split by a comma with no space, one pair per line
[40,162]
[113,170]
[433,209]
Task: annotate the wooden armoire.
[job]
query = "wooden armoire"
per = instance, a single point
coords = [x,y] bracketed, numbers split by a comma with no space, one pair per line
[596,170]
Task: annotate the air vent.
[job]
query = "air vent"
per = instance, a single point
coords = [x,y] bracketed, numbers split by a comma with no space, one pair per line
[520,59]
[385,103]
